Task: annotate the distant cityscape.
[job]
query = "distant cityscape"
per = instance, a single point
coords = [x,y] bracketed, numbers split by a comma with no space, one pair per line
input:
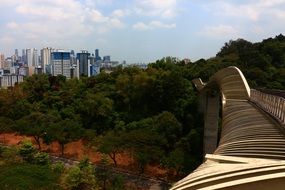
[53,62]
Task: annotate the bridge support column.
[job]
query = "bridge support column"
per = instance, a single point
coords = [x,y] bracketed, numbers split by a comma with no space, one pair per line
[211,119]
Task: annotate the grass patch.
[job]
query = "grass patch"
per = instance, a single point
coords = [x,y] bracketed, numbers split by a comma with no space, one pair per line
[28,177]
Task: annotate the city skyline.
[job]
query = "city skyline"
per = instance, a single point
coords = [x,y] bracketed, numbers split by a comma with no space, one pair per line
[53,62]
[137,30]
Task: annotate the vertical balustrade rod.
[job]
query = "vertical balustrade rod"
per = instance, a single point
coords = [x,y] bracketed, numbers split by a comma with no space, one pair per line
[270,103]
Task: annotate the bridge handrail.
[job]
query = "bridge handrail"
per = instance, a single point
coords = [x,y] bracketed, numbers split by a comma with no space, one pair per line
[275,105]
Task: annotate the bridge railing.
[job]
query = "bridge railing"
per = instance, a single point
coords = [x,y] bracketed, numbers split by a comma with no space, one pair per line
[275,105]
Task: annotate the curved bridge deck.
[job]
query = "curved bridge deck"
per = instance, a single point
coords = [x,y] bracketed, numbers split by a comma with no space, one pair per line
[250,132]
[251,150]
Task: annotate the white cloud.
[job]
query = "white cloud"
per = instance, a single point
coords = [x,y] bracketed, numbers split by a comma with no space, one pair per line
[12,25]
[118,13]
[54,13]
[153,25]
[280,14]
[97,16]
[270,3]
[257,30]
[53,18]
[220,31]
[58,23]
[162,8]
[116,23]
[141,26]
[160,3]
[7,40]
[7,3]
[249,10]
[158,24]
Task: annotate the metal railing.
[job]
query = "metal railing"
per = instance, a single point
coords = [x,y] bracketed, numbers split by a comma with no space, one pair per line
[275,105]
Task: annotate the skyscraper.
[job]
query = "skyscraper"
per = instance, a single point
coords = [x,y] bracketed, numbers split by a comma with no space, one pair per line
[35,58]
[2,60]
[45,58]
[32,57]
[16,54]
[83,62]
[24,56]
[29,54]
[60,63]
[97,57]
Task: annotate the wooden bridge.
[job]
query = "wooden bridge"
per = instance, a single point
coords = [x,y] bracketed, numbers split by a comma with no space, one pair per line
[248,152]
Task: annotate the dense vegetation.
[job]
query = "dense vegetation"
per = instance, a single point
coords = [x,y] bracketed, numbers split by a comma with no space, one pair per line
[25,168]
[151,113]
[262,63]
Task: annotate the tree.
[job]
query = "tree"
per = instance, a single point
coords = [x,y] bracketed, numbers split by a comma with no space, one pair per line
[65,131]
[36,125]
[102,172]
[6,125]
[112,144]
[169,127]
[175,160]
[146,146]
[96,111]
[36,86]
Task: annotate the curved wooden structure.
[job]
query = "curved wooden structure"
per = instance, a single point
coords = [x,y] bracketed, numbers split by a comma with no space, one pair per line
[251,150]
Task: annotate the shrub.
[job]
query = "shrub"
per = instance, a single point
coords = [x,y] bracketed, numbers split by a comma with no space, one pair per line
[58,167]
[73,177]
[83,179]
[117,183]
[84,163]
[27,151]
[41,158]
[2,149]
[10,155]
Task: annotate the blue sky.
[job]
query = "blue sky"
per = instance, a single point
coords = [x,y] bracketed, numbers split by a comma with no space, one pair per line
[138,30]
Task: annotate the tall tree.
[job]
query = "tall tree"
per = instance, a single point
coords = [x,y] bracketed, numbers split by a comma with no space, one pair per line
[65,131]
[36,125]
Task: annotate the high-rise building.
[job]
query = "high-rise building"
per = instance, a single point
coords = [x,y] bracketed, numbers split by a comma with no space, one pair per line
[60,63]
[24,56]
[29,55]
[97,56]
[94,66]
[16,54]
[8,63]
[74,70]
[2,60]
[24,71]
[107,58]
[83,62]
[45,58]
[32,57]
[92,59]
[94,69]
[73,58]
[10,80]
[14,60]
[35,58]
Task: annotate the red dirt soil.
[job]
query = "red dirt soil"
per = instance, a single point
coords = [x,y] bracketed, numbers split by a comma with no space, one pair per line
[77,150]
